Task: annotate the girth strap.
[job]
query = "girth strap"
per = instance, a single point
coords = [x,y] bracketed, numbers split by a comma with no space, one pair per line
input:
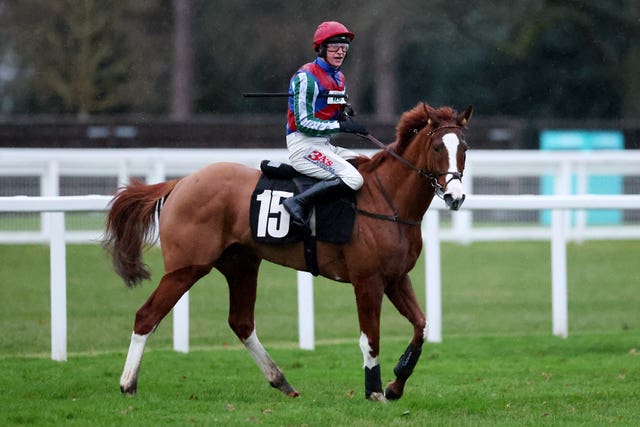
[311,252]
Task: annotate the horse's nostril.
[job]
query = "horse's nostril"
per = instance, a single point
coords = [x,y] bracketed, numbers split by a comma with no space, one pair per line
[453,204]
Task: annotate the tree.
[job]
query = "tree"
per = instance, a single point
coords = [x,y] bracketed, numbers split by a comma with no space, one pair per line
[74,56]
[535,58]
[182,73]
[598,41]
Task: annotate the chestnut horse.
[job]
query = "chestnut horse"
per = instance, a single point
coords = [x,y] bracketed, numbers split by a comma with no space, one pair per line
[204,223]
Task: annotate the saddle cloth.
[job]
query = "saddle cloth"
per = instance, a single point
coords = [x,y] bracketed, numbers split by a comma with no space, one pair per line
[332,221]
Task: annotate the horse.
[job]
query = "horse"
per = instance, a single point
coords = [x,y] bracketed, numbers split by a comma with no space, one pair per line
[203,222]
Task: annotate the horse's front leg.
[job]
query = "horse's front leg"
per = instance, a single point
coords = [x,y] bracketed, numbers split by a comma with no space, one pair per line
[369,303]
[404,299]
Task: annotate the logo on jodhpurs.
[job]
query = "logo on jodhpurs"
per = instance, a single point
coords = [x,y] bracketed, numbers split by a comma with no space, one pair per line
[322,161]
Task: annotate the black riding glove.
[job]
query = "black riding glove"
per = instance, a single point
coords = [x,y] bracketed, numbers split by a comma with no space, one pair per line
[349,126]
[348,110]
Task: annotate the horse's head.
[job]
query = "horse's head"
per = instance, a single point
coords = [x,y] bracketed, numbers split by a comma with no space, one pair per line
[441,132]
[447,153]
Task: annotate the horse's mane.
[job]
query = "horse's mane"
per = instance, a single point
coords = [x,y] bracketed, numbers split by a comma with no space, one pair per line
[411,122]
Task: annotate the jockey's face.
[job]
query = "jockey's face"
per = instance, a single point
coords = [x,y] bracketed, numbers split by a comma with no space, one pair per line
[336,52]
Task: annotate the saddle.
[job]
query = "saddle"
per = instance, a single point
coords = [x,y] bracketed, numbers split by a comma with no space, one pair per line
[331,221]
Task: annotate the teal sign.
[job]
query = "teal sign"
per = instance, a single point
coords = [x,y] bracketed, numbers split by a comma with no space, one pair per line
[581,140]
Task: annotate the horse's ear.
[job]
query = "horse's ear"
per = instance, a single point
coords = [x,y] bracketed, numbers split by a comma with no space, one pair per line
[463,118]
[431,118]
[426,113]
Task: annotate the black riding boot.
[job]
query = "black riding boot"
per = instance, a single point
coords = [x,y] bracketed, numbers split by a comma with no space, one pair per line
[299,206]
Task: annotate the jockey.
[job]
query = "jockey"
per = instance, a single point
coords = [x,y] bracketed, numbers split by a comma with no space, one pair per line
[314,115]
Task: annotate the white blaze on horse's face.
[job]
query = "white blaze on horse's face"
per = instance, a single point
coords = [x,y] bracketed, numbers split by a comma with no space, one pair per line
[454,186]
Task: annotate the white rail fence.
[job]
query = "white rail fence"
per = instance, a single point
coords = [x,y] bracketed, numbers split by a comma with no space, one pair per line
[568,169]
[55,208]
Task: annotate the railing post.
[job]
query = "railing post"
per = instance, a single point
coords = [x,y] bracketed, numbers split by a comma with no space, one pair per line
[49,187]
[157,173]
[58,265]
[306,327]
[432,275]
[181,324]
[123,174]
[582,188]
[559,298]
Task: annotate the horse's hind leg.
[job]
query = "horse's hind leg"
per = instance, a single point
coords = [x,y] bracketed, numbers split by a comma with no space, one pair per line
[171,288]
[404,299]
[240,268]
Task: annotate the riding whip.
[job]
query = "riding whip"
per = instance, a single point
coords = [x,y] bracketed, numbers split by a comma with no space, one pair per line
[286,95]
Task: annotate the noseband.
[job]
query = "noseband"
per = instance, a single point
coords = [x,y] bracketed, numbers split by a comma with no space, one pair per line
[429,176]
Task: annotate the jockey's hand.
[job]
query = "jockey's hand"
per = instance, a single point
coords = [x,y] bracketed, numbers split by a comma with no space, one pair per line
[349,126]
[349,111]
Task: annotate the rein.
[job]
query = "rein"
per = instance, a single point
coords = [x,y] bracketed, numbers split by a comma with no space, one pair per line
[433,178]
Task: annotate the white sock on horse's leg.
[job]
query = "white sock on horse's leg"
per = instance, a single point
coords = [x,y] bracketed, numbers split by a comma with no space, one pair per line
[262,358]
[129,378]
[268,367]
[372,382]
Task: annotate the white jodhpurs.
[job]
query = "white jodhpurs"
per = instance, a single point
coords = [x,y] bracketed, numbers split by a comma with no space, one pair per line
[318,158]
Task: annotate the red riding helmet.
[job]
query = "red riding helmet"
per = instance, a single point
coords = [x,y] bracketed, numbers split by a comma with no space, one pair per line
[329,29]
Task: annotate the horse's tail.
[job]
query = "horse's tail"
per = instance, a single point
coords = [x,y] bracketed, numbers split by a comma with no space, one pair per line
[130,227]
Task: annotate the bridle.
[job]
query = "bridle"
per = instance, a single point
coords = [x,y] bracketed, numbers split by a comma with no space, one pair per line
[427,175]
[430,176]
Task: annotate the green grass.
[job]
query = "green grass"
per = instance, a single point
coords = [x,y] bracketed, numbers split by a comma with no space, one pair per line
[498,364]
[584,380]
[30,221]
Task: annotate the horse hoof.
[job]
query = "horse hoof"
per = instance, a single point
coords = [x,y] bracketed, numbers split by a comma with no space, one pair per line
[285,388]
[129,390]
[392,394]
[288,390]
[377,397]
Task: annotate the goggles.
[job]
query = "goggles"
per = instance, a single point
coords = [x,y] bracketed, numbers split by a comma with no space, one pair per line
[334,47]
